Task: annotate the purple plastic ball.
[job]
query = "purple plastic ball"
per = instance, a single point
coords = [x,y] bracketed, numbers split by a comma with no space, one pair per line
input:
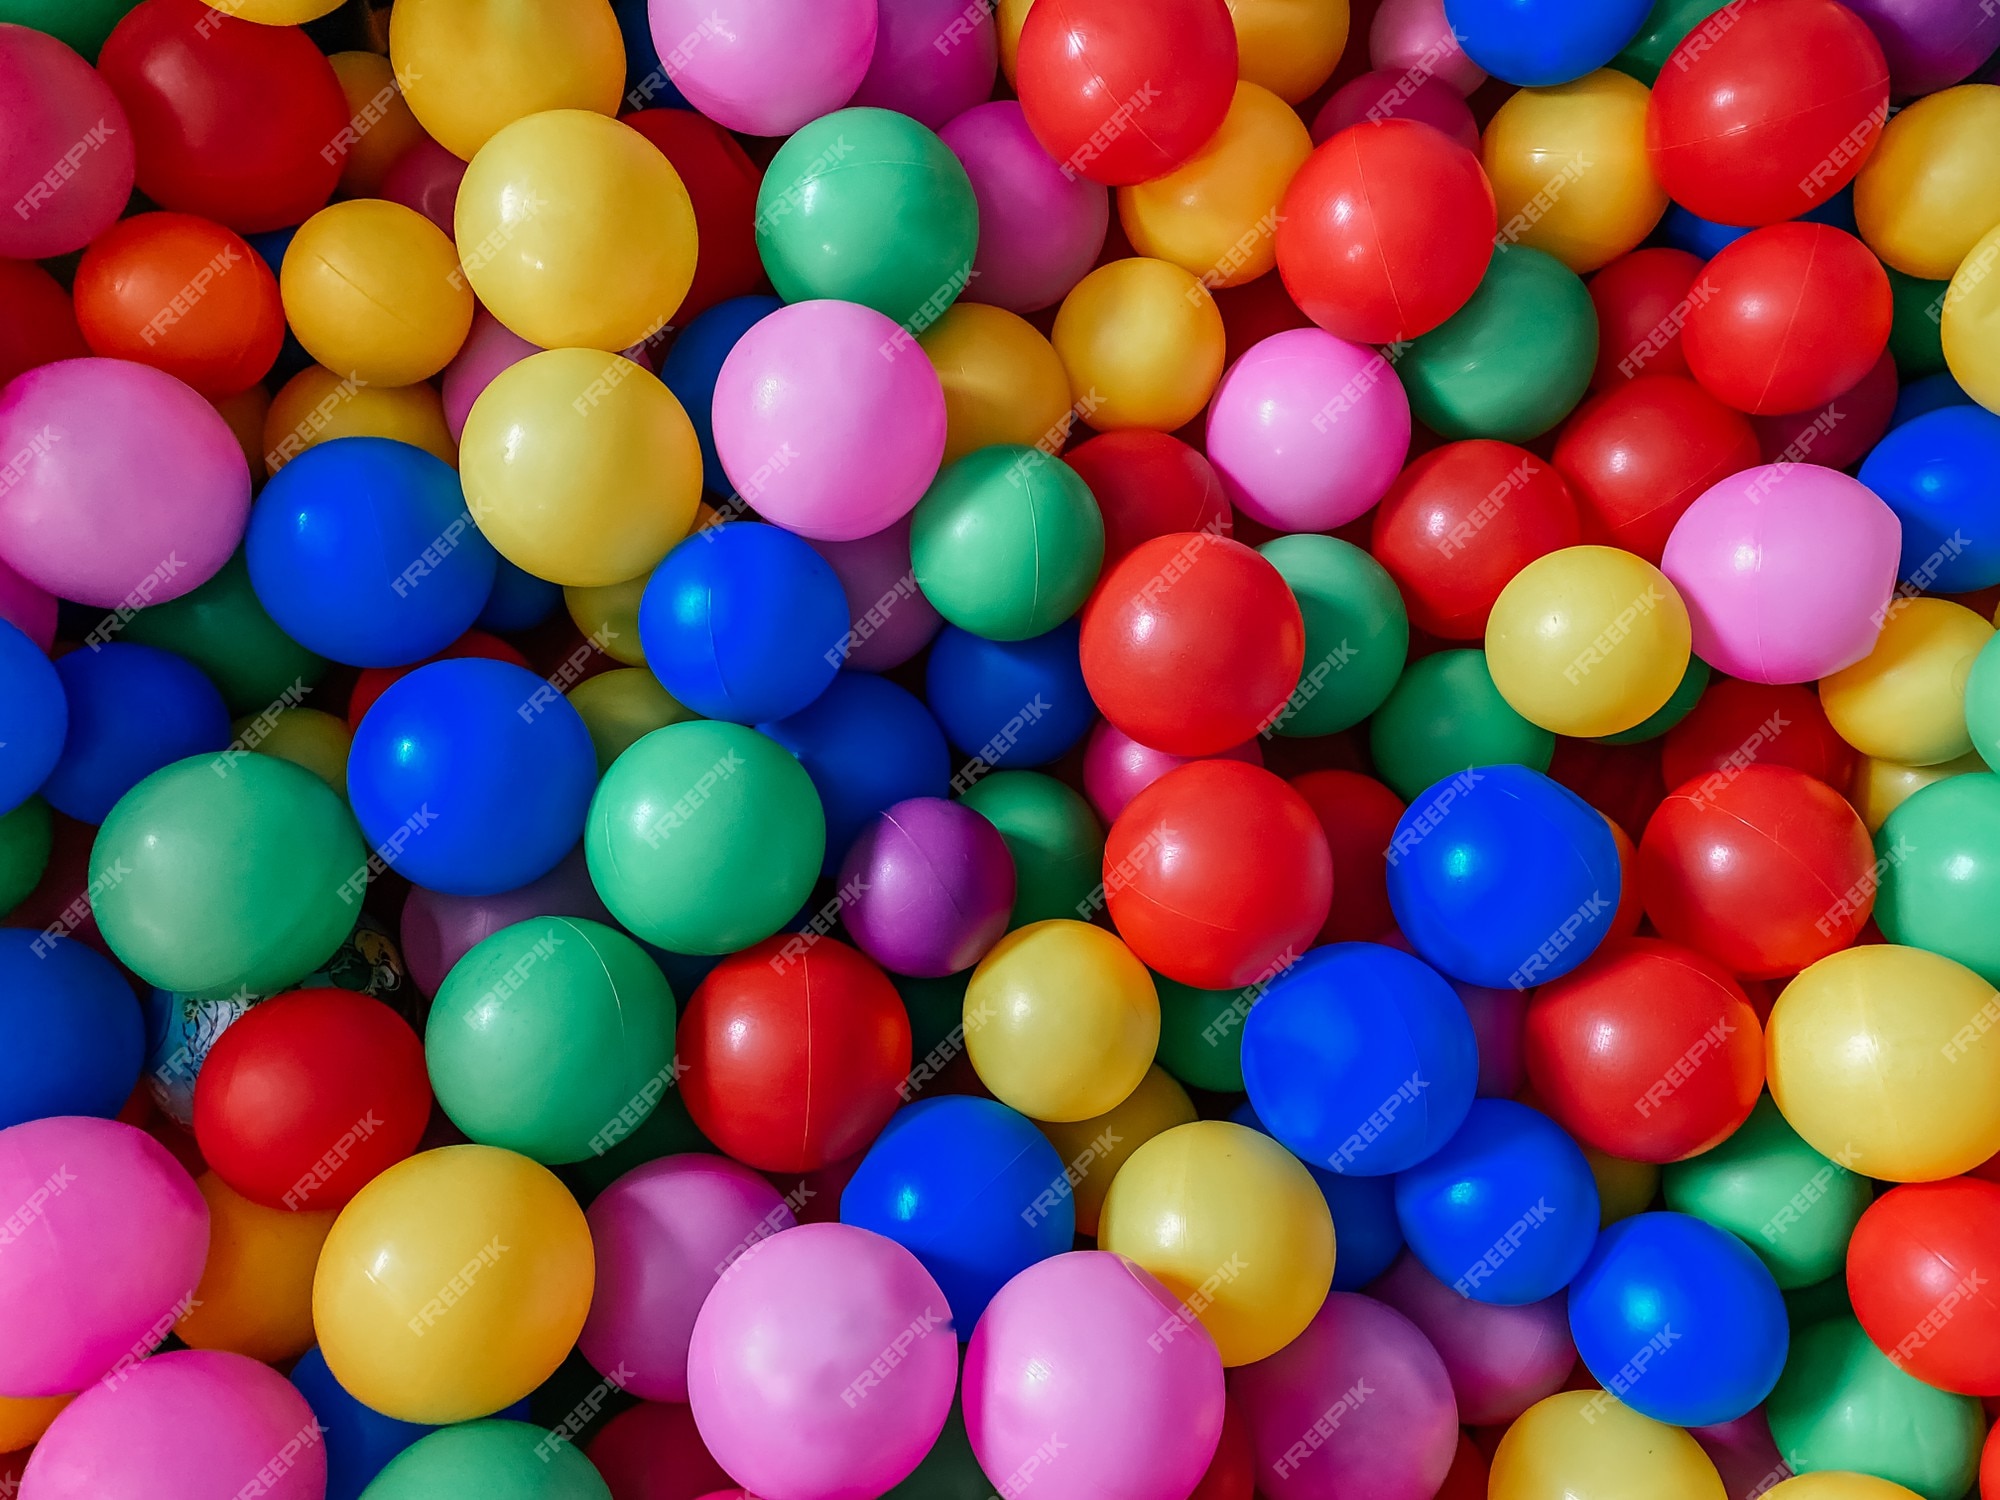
[933,59]
[1501,1360]
[929,885]
[1931,44]
[1039,231]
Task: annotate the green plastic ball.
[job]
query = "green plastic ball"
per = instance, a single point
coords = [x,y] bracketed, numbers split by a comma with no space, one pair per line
[493,1459]
[1939,854]
[1055,838]
[83,24]
[1357,633]
[1916,332]
[1513,361]
[705,837]
[224,875]
[1692,684]
[222,629]
[1982,703]
[27,835]
[936,1009]
[1007,542]
[553,1037]
[668,1131]
[1446,716]
[1807,1305]
[1201,1034]
[868,206]
[1665,26]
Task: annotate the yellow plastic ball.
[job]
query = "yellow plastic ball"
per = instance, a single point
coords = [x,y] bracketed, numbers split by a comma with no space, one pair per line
[1007,22]
[1002,381]
[245,413]
[576,232]
[1216,214]
[1878,787]
[1886,1059]
[1290,47]
[608,616]
[273,13]
[1970,322]
[1569,169]
[580,467]
[1142,342]
[1931,187]
[316,406]
[255,1296]
[1235,1227]
[453,1284]
[1588,641]
[621,708]
[374,291]
[1588,1443]
[308,737]
[23,1419]
[1624,1188]
[1061,1021]
[1093,1150]
[1905,700]
[472,67]
[1838,1484]
[380,127]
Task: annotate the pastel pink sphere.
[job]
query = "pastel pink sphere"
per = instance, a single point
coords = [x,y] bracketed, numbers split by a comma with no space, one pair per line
[764,67]
[1039,231]
[1413,37]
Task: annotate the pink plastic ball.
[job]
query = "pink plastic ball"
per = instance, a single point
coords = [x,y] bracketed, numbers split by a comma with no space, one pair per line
[1039,231]
[1116,767]
[426,178]
[438,930]
[1365,1374]
[933,59]
[1501,1360]
[1308,431]
[891,619]
[1413,37]
[664,1233]
[29,609]
[108,1237]
[490,348]
[822,1365]
[191,1425]
[1089,1349]
[829,420]
[1398,96]
[765,67]
[132,488]
[65,152]
[1786,570]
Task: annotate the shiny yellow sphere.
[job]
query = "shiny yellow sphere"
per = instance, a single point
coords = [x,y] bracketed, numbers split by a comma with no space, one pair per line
[316,406]
[273,13]
[580,467]
[255,1296]
[1970,322]
[1838,1484]
[609,617]
[1578,1444]
[1931,188]
[621,708]
[471,67]
[1143,344]
[380,127]
[1093,1150]
[23,1419]
[1061,1021]
[1216,215]
[1233,1225]
[374,292]
[1886,1059]
[309,737]
[1905,700]
[1588,641]
[453,1284]
[1002,381]
[1569,169]
[1290,47]
[1878,787]
[1007,22]
[1624,1188]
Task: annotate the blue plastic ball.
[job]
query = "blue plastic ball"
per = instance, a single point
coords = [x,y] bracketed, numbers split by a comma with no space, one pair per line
[1940,474]
[867,745]
[691,365]
[1506,1211]
[744,622]
[75,1034]
[34,716]
[1679,1320]
[647,85]
[362,549]
[1500,877]
[1367,1239]
[471,777]
[1540,43]
[969,1187]
[1932,393]
[132,710]
[1360,1059]
[1009,704]
[519,601]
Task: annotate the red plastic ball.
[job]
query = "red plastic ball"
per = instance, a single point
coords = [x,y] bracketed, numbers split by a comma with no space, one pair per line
[722,183]
[1839,433]
[1766,873]
[1920,1271]
[1149,484]
[1122,93]
[1648,1051]
[1218,874]
[310,1096]
[1461,521]
[232,120]
[1765,110]
[1232,1473]
[1358,815]
[1252,312]
[1800,313]
[1989,1465]
[185,295]
[1620,781]
[1386,231]
[794,1060]
[1737,724]
[1638,455]
[1468,1475]
[37,322]
[654,1452]
[1191,643]
[373,682]
[1642,300]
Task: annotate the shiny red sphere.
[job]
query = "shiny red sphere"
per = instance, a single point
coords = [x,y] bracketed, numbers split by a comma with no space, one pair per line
[1358,815]
[1149,484]
[1920,1271]
[1642,301]
[1737,724]
[722,183]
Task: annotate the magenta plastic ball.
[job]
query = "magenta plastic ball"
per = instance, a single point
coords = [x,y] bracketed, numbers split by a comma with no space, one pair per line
[934,59]
[1412,37]
[1786,570]
[191,1425]
[438,930]
[1116,767]
[426,178]
[829,420]
[1501,1360]
[1308,431]
[764,67]
[1367,1377]
[1744,1455]
[132,488]
[1039,231]
[928,886]
[1398,96]
[663,1234]
[490,348]
[891,620]
[108,1237]
[1090,1349]
[822,1365]
[65,152]
[1499,1020]
[1931,44]
[29,609]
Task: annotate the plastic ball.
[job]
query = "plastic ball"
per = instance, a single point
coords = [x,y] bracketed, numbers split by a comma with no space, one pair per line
[255,1294]
[653,1451]
[489,1457]
[1935,870]
[1908,1270]
[1539,43]
[1878,787]
[1094,1151]
[694,360]
[1410,95]
[1445,716]
[1415,36]
[932,60]
[1358,815]
[438,930]
[1880,1059]
[1642,301]
[721,182]
[34,718]
[1149,484]
[426,178]
[316,406]
[380,125]
[1056,842]
[66,168]
[1905,700]
[1142,342]
[1003,382]
[79,1034]
[935,885]
[1501,1360]
[765,70]
[1927,194]
[1934,473]
[1583,1441]
[891,619]
[1288,47]
[1970,311]
[1357,634]
[373,289]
